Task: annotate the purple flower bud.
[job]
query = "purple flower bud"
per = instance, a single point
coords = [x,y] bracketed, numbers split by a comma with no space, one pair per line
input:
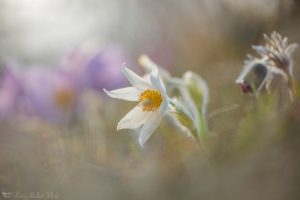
[246,88]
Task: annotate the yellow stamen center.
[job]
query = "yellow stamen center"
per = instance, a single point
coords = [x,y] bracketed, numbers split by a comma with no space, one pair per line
[150,100]
[64,98]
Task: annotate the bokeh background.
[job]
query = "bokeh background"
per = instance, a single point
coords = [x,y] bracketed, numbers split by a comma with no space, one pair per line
[80,45]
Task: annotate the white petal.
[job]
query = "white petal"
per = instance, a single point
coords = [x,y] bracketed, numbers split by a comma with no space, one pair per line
[247,69]
[146,63]
[149,127]
[190,105]
[279,71]
[147,77]
[149,66]
[203,87]
[164,106]
[135,118]
[128,93]
[135,80]
[159,85]
[177,82]
[157,82]
[291,49]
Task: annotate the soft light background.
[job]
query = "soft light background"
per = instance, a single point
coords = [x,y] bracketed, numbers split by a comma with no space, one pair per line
[90,160]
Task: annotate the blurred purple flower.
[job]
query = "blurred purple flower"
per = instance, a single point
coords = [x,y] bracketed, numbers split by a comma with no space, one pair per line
[55,94]
[97,69]
[52,95]
[104,70]
[10,93]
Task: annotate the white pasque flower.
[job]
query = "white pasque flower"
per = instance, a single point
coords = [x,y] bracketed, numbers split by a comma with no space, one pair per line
[274,59]
[152,103]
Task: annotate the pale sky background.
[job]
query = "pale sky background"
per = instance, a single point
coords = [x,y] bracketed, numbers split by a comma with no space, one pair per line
[43,30]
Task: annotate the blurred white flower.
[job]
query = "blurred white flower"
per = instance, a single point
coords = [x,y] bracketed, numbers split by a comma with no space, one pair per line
[275,59]
[152,101]
[148,65]
[192,103]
